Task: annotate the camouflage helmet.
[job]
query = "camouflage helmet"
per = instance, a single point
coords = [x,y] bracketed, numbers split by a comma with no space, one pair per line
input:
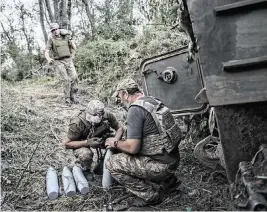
[125,85]
[54,26]
[95,107]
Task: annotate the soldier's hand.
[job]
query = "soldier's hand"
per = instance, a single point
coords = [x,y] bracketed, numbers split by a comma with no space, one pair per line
[64,142]
[110,142]
[95,142]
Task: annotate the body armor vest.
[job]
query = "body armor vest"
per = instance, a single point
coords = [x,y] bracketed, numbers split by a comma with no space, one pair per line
[61,48]
[169,133]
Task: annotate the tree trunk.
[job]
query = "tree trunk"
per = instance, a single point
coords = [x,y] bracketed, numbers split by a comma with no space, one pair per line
[131,11]
[49,10]
[28,39]
[56,10]
[90,18]
[63,15]
[107,16]
[41,6]
[69,6]
[28,36]
[83,20]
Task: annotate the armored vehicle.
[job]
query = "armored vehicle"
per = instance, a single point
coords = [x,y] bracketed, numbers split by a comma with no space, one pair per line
[228,74]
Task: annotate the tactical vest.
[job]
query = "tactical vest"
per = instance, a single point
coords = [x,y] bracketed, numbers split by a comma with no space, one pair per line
[61,48]
[169,133]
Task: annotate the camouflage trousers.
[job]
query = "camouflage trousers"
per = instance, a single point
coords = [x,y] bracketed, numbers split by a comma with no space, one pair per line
[84,157]
[67,72]
[141,175]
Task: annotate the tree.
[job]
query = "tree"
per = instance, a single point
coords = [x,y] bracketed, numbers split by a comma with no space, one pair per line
[69,6]
[49,10]
[90,17]
[24,25]
[61,13]
[41,13]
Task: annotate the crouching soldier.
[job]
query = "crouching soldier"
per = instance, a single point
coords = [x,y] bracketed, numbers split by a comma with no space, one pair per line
[150,154]
[89,130]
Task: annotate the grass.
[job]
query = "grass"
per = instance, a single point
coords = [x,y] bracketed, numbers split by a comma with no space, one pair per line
[34,122]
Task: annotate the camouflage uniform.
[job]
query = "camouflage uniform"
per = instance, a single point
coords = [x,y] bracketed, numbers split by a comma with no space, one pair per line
[142,174]
[61,49]
[81,129]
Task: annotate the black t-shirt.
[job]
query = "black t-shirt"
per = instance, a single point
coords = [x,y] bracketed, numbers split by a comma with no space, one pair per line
[140,123]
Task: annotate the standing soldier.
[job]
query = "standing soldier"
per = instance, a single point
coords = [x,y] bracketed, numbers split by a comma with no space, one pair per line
[62,49]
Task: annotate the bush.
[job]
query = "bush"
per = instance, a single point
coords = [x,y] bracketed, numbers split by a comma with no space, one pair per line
[104,62]
[19,67]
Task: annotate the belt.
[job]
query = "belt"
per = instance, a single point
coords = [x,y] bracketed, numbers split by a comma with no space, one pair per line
[61,58]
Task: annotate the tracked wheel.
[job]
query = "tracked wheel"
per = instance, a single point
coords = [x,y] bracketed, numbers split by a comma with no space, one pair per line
[209,152]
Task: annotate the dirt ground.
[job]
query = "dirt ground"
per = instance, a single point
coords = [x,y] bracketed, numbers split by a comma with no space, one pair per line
[34,120]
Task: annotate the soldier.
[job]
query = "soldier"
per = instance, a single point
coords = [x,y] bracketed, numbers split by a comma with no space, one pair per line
[150,152]
[89,130]
[63,51]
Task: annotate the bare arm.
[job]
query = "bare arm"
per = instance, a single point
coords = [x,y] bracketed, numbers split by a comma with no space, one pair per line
[47,56]
[73,48]
[131,146]
[119,133]
[74,144]
[47,51]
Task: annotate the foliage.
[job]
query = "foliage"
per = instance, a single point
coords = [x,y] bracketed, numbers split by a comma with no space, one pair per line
[18,41]
[105,62]
[107,21]
[17,71]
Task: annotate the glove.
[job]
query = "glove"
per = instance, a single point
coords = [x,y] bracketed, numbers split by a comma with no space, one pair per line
[96,143]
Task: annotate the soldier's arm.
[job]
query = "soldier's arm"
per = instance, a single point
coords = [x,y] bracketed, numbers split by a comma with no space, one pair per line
[47,51]
[75,144]
[73,141]
[131,146]
[116,126]
[133,142]
[73,48]
[119,133]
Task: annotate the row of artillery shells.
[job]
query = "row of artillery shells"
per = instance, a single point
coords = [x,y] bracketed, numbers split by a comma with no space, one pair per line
[70,180]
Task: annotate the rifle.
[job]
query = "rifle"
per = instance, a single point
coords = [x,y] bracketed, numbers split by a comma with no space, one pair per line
[254,180]
[98,137]
[102,131]
[97,140]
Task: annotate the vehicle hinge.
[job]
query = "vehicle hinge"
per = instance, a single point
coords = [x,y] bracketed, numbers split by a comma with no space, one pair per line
[201,97]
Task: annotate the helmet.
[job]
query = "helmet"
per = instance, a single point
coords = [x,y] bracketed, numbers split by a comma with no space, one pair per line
[124,85]
[95,107]
[54,26]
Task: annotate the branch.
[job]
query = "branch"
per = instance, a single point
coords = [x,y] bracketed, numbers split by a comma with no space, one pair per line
[5,32]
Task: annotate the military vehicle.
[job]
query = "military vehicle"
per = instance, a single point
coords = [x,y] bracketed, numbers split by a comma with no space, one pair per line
[229,73]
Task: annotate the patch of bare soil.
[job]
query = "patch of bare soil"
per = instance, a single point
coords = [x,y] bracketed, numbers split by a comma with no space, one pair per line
[34,121]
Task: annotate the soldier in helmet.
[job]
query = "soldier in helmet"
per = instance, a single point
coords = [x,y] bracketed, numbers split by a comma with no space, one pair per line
[150,152]
[62,51]
[89,130]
